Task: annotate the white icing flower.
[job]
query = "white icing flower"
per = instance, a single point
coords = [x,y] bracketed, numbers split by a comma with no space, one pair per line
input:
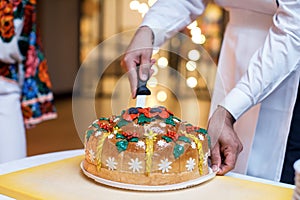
[161,143]
[141,144]
[200,136]
[136,125]
[111,164]
[162,124]
[98,133]
[164,165]
[92,155]
[110,136]
[135,165]
[190,164]
[205,158]
[193,145]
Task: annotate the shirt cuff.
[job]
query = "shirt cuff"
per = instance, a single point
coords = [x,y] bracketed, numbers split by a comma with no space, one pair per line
[158,33]
[236,102]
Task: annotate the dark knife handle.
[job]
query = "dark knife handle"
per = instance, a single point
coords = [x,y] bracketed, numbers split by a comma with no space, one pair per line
[141,86]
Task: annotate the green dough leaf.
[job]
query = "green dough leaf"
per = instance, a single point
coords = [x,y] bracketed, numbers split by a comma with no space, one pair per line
[170,121]
[202,130]
[120,136]
[103,118]
[88,134]
[178,151]
[143,119]
[168,139]
[134,139]
[184,139]
[122,145]
[122,122]
[96,126]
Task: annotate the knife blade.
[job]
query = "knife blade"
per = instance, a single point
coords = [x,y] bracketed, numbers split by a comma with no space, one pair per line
[141,92]
[140,101]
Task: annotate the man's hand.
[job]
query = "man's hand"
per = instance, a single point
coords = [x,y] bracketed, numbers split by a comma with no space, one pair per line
[227,144]
[139,52]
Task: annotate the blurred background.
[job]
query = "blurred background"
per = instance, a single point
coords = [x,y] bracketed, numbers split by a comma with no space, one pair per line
[71,29]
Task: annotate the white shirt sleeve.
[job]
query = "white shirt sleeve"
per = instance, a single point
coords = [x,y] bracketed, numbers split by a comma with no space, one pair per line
[271,64]
[166,17]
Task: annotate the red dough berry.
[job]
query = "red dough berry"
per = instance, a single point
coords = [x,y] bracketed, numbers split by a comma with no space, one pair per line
[105,126]
[172,134]
[129,134]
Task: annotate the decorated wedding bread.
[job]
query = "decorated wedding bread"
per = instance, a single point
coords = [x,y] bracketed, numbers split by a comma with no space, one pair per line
[146,146]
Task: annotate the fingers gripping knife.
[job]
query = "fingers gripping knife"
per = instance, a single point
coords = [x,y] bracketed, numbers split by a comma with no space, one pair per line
[141,92]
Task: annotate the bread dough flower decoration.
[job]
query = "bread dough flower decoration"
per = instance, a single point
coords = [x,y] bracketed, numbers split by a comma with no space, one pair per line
[146,115]
[172,136]
[201,132]
[133,113]
[125,138]
[190,128]
[99,125]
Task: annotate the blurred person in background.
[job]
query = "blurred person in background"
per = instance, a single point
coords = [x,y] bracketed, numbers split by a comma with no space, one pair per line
[25,88]
[256,83]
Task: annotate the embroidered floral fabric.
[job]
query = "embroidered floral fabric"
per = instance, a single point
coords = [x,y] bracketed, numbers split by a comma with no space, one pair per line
[37,97]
